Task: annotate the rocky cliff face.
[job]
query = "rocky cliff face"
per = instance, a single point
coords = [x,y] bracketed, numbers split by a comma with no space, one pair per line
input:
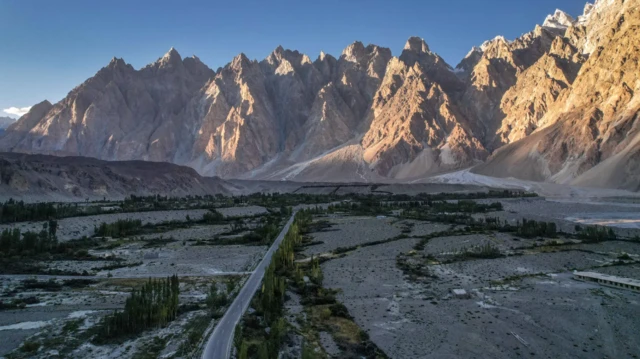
[589,134]
[414,115]
[119,114]
[558,100]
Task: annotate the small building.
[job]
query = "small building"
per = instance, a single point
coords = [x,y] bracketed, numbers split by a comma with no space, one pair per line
[608,280]
[460,294]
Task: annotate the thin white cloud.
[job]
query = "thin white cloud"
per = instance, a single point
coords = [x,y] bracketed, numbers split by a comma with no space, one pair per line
[17,111]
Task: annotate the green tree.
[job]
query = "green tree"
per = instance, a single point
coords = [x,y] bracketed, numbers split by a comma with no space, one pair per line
[243,353]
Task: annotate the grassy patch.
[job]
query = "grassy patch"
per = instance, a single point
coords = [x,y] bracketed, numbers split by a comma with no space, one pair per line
[193,333]
[72,326]
[130,283]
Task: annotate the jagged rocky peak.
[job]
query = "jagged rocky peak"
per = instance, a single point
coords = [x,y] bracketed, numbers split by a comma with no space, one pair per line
[559,20]
[496,40]
[197,67]
[470,60]
[495,47]
[588,7]
[293,56]
[194,59]
[598,7]
[379,51]
[115,62]
[116,65]
[116,68]
[31,118]
[358,53]
[325,63]
[416,44]
[562,48]
[354,52]
[240,61]
[276,55]
[474,50]
[305,59]
[172,53]
[325,58]
[416,49]
[169,62]
[171,58]
[356,57]
[535,43]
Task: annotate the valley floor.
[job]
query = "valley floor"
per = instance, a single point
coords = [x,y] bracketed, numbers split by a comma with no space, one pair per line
[395,263]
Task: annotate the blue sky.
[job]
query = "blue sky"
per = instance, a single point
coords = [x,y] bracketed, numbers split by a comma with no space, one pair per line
[49,47]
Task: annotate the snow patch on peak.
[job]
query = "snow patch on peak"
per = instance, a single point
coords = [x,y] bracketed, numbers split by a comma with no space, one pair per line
[474,50]
[485,45]
[587,8]
[559,20]
[590,9]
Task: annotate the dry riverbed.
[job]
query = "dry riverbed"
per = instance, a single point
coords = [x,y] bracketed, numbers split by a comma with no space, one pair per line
[523,304]
[60,324]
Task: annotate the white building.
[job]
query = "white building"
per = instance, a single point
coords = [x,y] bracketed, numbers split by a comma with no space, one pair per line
[460,294]
[608,280]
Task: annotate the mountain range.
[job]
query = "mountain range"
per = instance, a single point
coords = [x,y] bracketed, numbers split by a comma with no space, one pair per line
[557,104]
[5,122]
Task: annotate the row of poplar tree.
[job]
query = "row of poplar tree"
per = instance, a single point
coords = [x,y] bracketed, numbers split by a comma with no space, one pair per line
[152,306]
[13,242]
[271,298]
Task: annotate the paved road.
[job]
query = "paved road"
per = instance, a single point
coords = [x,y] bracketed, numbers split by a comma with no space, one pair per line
[219,344]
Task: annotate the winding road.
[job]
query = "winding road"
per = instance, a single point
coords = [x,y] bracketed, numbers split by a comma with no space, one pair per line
[219,344]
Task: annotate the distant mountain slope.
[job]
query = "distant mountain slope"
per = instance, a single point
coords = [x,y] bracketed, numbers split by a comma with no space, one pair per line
[53,178]
[5,122]
[549,105]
